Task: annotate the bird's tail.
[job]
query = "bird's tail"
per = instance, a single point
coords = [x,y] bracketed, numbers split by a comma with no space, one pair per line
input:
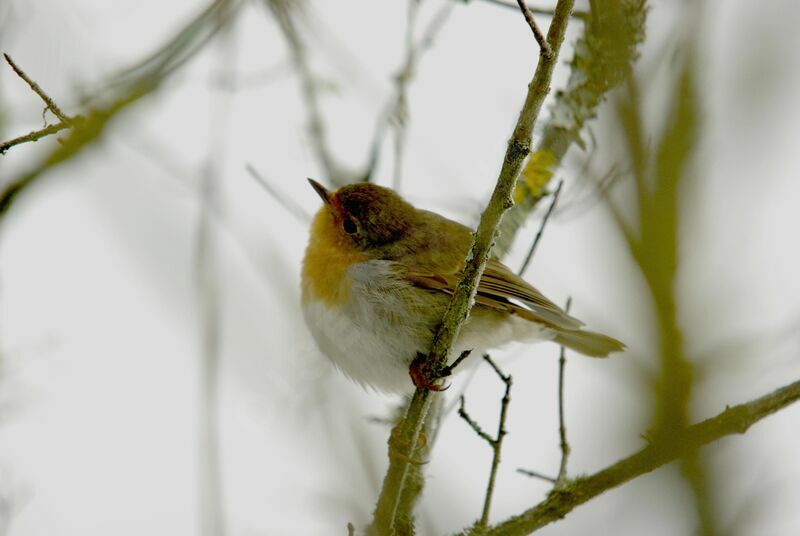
[587,342]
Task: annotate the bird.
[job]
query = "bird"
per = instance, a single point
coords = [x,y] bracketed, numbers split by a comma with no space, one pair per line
[378,274]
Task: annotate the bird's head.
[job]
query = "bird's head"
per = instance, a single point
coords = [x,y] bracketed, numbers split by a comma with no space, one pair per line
[362,216]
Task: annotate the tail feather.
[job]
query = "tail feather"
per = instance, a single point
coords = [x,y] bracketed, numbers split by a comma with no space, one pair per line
[588,342]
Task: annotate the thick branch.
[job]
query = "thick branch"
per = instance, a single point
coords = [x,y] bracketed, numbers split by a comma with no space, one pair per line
[735,420]
[461,303]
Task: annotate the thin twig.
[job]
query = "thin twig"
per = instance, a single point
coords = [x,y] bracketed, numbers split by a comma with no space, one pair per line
[498,443]
[51,105]
[537,33]
[448,370]
[408,433]
[538,237]
[534,474]
[495,442]
[33,136]
[65,121]
[286,202]
[561,479]
[462,412]
[734,420]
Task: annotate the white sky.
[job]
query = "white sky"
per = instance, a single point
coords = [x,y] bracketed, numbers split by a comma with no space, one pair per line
[100,325]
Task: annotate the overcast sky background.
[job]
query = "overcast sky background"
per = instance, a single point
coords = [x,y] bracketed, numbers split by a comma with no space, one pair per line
[100,325]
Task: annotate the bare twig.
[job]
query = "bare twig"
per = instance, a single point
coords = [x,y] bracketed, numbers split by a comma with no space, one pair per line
[561,501]
[518,148]
[534,474]
[537,33]
[36,135]
[539,233]
[562,427]
[51,105]
[495,442]
[462,412]
[286,202]
[448,370]
[65,121]
[560,480]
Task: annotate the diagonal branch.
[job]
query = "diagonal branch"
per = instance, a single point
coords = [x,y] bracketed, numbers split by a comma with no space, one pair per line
[65,121]
[408,434]
[51,105]
[561,501]
[540,232]
[537,33]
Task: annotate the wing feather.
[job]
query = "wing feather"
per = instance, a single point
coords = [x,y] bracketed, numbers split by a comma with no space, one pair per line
[497,288]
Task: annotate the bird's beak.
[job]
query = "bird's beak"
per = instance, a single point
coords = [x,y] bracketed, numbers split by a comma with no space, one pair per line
[321,191]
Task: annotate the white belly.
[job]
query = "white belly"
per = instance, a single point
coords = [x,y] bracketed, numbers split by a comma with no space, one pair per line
[377,358]
[374,346]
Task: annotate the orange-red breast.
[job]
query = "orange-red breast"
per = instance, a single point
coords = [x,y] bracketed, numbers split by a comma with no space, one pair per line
[377,277]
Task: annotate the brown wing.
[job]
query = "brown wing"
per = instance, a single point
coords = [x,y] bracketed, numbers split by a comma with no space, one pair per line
[501,289]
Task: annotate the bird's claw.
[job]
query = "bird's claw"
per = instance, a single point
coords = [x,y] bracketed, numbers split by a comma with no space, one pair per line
[423,375]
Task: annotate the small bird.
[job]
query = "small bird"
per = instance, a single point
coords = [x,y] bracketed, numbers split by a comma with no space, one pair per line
[378,274]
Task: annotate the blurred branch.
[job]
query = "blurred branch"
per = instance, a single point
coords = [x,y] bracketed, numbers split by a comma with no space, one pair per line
[535,10]
[128,89]
[495,442]
[397,113]
[285,14]
[407,437]
[65,121]
[601,61]
[210,479]
[561,501]
[286,202]
[539,233]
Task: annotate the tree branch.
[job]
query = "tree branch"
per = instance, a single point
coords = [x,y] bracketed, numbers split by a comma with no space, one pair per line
[65,121]
[601,61]
[495,442]
[36,135]
[51,105]
[561,501]
[539,233]
[537,33]
[461,303]
[129,88]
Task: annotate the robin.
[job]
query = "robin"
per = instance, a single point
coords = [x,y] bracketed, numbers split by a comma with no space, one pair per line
[377,277]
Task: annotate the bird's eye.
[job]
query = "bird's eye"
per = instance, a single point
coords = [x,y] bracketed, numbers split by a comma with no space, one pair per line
[349,226]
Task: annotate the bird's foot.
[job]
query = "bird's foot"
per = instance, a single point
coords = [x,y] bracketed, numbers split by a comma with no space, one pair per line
[425,375]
